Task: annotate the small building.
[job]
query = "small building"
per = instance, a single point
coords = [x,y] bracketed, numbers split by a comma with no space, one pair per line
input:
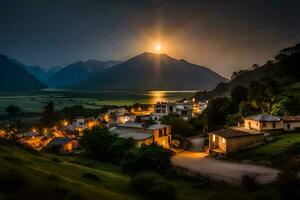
[63,143]
[159,134]
[183,109]
[268,123]
[117,116]
[234,139]
[90,122]
[291,123]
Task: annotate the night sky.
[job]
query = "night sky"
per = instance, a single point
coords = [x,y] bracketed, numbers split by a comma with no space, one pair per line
[224,35]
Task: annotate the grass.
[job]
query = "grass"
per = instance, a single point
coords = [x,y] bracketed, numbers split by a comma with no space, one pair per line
[48,176]
[276,153]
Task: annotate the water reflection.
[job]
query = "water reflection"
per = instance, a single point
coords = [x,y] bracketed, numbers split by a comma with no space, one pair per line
[157,96]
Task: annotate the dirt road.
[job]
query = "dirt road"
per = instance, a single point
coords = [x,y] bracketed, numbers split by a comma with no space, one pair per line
[231,172]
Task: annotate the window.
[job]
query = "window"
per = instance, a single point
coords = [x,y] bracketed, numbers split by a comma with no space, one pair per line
[165,131]
[171,109]
[160,133]
[158,111]
[274,125]
[213,138]
[288,126]
[223,140]
[264,124]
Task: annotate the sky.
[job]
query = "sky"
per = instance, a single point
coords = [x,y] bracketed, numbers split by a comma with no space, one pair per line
[224,35]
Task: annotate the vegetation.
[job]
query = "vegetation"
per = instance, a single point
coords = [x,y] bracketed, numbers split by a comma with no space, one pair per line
[178,125]
[147,158]
[48,176]
[12,110]
[283,152]
[152,186]
[288,183]
[101,145]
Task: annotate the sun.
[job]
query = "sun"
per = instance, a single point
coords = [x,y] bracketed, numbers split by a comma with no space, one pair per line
[157,48]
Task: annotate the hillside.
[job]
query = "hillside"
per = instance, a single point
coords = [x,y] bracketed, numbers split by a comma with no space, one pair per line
[77,72]
[14,77]
[28,175]
[149,71]
[284,69]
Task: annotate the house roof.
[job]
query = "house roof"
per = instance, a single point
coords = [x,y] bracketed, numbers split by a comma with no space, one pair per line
[30,134]
[59,141]
[291,118]
[140,125]
[264,118]
[130,133]
[236,132]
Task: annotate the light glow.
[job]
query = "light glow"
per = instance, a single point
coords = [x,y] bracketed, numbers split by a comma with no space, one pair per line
[158,48]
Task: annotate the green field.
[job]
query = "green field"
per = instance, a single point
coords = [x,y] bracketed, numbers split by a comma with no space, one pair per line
[280,152]
[49,176]
[35,101]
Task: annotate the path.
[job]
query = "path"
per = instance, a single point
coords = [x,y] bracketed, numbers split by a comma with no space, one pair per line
[229,171]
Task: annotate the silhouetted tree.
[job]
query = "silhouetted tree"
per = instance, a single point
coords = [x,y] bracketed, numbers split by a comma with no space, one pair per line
[12,110]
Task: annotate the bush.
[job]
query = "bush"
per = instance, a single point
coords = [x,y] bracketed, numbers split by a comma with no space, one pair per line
[288,185]
[153,186]
[11,180]
[148,157]
[249,182]
[183,142]
[90,176]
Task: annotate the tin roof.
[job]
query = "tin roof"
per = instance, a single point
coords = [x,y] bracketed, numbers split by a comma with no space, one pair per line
[291,118]
[130,133]
[264,118]
[236,132]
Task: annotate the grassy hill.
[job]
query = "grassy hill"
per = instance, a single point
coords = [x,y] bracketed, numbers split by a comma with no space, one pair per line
[283,152]
[26,175]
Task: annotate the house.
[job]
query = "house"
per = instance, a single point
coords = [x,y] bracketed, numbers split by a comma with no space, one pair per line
[90,122]
[63,143]
[156,133]
[183,109]
[117,116]
[28,135]
[267,123]
[291,123]
[234,139]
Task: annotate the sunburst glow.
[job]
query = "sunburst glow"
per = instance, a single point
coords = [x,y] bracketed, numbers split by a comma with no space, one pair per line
[158,48]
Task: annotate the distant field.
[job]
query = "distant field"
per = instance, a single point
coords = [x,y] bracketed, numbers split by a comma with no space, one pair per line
[35,101]
[56,177]
[283,149]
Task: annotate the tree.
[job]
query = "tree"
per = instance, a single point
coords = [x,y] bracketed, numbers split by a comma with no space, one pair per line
[97,143]
[255,66]
[178,125]
[12,110]
[49,117]
[247,109]
[258,96]
[286,106]
[214,115]
[100,144]
[239,94]
[148,157]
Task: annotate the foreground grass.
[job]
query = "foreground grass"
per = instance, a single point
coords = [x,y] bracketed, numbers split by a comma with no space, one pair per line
[282,151]
[49,176]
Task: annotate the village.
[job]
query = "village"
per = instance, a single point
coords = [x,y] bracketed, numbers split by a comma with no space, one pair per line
[145,128]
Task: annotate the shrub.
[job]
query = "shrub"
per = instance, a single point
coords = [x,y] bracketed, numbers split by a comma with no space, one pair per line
[153,186]
[90,176]
[249,182]
[11,180]
[148,157]
[288,185]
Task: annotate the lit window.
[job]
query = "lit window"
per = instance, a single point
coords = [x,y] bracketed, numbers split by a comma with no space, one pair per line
[223,140]
[213,138]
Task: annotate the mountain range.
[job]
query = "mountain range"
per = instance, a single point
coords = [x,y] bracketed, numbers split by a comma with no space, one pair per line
[146,71]
[149,71]
[15,77]
[77,72]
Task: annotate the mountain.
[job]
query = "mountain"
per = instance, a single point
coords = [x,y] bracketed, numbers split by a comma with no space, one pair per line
[38,72]
[14,77]
[284,69]
[149,71]
[79,71]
